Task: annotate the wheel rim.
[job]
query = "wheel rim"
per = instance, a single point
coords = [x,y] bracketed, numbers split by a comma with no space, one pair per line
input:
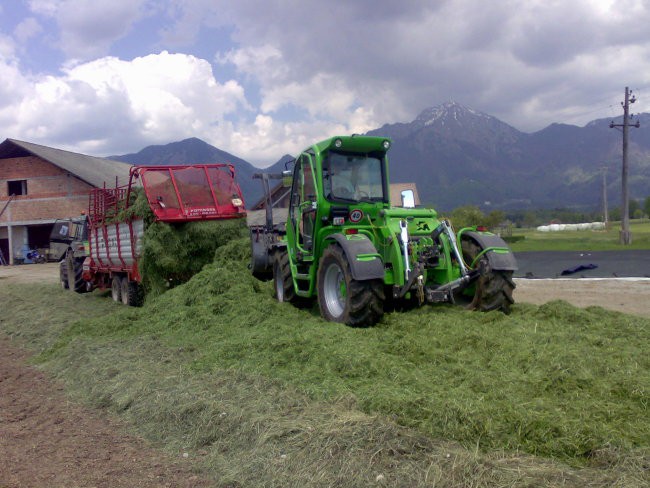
[125,291]
[115,290]
[71,273]
[63,279]
[279,287]
[334,290]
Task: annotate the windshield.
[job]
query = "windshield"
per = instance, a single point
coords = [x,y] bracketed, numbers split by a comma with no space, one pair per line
[353,178]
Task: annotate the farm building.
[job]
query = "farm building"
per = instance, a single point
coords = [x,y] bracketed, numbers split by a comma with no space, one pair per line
[39,184]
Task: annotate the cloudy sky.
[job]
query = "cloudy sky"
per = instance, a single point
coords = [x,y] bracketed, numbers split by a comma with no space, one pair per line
[262,78]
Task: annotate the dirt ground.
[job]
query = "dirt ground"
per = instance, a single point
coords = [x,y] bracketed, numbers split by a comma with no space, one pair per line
[46,441]
[619,294]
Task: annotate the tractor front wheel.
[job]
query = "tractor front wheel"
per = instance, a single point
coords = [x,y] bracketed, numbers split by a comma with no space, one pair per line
[282,281]
[493,289]
[342,298]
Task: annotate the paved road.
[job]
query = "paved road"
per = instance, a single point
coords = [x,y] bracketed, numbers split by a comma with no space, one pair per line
[609,264]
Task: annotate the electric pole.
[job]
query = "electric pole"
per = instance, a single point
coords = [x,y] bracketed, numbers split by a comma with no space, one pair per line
[605,211]
[625,235]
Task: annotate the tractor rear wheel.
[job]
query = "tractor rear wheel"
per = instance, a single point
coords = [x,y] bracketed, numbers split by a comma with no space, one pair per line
[493,289]
[342,298]
[74,270]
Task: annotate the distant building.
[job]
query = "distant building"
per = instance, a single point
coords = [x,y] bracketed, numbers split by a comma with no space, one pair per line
[39,184]
[396,190]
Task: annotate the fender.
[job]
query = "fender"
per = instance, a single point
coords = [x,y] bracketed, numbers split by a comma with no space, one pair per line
[498,253]
[365,262]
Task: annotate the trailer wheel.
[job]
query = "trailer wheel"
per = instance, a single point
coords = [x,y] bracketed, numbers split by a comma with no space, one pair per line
[342,298]
[130,292]
[63,274]
[74,270]
[493,289]
[116,288]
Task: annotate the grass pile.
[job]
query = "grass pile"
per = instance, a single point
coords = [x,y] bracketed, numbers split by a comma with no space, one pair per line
[253,387]
[173,253]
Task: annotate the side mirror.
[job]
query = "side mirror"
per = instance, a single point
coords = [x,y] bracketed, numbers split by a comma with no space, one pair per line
[287,176]
[408,199]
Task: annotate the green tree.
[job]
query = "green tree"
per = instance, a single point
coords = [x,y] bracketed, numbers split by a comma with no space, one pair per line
[467,216]
[494,218]
[646,206]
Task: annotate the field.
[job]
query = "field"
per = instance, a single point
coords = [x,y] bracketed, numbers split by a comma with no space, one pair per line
[264,394]
[533,240]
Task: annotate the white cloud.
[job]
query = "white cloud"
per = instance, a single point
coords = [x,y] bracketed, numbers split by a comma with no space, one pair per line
[27,29]
[110,104]
[87,28]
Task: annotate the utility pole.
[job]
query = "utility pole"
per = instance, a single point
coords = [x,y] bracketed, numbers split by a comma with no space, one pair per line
[605,211]
[625,235]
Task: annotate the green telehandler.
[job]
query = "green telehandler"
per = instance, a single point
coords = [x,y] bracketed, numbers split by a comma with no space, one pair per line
[343,242]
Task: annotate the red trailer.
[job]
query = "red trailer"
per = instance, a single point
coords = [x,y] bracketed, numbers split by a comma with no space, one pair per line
[175,194]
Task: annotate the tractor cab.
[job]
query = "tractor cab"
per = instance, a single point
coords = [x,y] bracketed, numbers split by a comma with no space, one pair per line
[336,183]
[353,178]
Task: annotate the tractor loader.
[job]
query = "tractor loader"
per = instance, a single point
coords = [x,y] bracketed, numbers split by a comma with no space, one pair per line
[344,244]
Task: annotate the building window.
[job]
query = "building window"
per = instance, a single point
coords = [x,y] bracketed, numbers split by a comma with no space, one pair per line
[17,187]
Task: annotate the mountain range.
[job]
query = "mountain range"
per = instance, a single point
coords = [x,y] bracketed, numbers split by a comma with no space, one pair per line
[459,156]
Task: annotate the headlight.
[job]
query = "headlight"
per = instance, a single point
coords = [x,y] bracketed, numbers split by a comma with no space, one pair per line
[338,143]
[236,202]
[386,145]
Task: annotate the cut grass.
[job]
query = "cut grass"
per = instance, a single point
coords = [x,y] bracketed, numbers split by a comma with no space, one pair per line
[584,240]
[219,368]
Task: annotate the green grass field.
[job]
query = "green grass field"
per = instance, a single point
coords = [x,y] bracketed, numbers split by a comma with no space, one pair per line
[586,240]
[264,394]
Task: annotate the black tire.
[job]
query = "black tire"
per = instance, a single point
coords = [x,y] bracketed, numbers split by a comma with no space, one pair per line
[130,292]
[493,289]
[343,299]
[74,270]
[63,274]
[283,289]
[116,289]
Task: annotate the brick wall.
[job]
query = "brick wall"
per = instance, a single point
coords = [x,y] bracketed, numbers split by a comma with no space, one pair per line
[51,192]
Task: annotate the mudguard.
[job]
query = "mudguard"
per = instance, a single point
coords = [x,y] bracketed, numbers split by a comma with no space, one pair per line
[365,262]
[499,254]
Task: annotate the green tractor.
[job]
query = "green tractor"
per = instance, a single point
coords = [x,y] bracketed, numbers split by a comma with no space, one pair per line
[345,244]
